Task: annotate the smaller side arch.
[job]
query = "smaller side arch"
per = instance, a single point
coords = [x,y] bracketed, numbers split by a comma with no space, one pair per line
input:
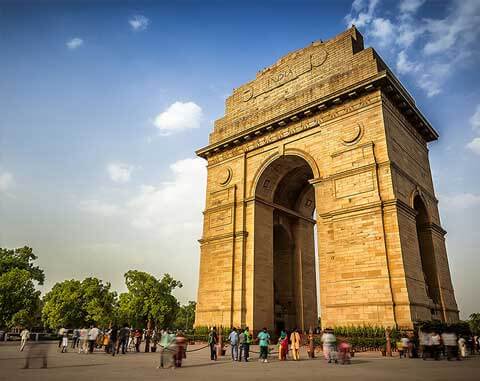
[417,193]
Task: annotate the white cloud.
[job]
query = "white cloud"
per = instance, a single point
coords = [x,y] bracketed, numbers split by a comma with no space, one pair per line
[404,65]
[179,116]
[6,181]
[425,48]
[475,119]
[460,201]
[175,207]
[139,22]
[99,208]
[74,43]
[434,77]
[458,28]
[410,6]
[364,11]
[120,172]
[382,30]
[408,30]
[474,146]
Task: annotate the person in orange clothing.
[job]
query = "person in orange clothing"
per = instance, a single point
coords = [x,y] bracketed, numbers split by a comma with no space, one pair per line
[295,344]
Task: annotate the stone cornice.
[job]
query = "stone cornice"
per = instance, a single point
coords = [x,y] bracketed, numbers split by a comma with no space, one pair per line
[434,228]
[384,80]
[223,236]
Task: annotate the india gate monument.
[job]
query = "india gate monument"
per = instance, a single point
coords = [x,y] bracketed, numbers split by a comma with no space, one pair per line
[324,154]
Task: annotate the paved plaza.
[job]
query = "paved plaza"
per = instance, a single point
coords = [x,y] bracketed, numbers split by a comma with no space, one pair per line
[143,366]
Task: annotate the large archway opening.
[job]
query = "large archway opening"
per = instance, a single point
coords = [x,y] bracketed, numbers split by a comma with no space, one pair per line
[286,199]
[427,255]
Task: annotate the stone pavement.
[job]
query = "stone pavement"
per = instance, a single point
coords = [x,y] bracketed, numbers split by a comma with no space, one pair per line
[142,366]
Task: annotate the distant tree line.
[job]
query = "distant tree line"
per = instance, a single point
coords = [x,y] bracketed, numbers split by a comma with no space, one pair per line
[71,303]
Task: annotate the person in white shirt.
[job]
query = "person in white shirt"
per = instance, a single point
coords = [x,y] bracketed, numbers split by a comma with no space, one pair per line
[60,336]
[233,338]
[83,346]
[65,341]
[450,341]
[24,336]
[462,345]
[92,338]
[435,340]
[405,341]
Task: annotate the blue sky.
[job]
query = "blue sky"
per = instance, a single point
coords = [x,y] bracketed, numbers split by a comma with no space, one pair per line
[102,105]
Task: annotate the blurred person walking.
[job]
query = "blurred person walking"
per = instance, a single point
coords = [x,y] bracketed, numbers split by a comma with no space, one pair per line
[60,336]
[75,338]
[405,345]
[329,341]
[36,350]
[138,340]
[64,342]
[24,336]
[83,345]
[450,342]
[92,338]
[181,349]
[462,346]
[425,344]
[435,341]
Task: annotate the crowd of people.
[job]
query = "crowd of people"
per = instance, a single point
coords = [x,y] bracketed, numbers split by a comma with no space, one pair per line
[434,345]
[114,340]
[172,346]
[240,340]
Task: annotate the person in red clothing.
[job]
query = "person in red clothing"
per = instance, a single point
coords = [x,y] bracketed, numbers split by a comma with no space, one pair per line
[138,340]
[180,353]
[344,350]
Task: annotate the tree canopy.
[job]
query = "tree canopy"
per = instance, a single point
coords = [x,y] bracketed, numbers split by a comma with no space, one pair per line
[21,259]
[185,316]
[148,299]
[474,322]
[74,303]
[19,300]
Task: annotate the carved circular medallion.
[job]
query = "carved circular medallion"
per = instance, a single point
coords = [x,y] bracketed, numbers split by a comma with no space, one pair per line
[225,176]
[352,134]
[319,57]
[247,94]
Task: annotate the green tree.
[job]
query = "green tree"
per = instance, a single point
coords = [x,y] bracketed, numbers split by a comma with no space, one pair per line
[474,322]
[72,303]
[186,316]
[148,301]
[19,300]
[22,259]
